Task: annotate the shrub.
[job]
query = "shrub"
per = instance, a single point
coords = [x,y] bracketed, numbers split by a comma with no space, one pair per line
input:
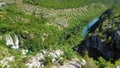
[102,62]
[48,60]
[117,62]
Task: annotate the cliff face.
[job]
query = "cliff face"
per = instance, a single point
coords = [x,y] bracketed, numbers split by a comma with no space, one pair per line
[103,38]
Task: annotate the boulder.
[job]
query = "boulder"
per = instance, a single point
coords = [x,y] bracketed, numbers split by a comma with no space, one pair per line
[2,5]
[117,67]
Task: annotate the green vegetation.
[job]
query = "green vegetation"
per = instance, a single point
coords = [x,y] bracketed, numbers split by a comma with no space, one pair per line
[4,52]
[32,30]
[62,4]
[37,33]
[108,21]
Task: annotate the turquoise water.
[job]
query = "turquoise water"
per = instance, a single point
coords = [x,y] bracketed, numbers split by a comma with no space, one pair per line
[85,30]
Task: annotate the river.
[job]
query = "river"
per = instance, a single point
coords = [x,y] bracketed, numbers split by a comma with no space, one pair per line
[86,28]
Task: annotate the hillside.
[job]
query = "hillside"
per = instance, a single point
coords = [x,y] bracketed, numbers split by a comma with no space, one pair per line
[43,33]
[103,38]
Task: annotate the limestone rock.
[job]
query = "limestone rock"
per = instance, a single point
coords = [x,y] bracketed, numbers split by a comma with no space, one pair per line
[117,67]
[2,5]
[103,37]
[38,60]
[5,62]
[74,63]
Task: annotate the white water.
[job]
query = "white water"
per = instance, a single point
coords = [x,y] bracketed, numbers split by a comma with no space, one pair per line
[16,43]
[10,42]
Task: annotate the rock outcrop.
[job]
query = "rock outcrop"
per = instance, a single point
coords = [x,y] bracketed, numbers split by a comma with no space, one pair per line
[5,62]
[74,63]
[103,38]
[38,61]
[2,5]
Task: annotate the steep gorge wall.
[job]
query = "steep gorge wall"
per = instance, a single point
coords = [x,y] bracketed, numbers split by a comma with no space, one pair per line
[103,39]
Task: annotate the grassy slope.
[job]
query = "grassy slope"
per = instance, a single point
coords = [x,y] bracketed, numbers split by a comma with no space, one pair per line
[19,22]
[62,4]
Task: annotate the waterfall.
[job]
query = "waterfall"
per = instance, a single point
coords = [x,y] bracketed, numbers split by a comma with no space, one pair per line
[16,46]
[10,41]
